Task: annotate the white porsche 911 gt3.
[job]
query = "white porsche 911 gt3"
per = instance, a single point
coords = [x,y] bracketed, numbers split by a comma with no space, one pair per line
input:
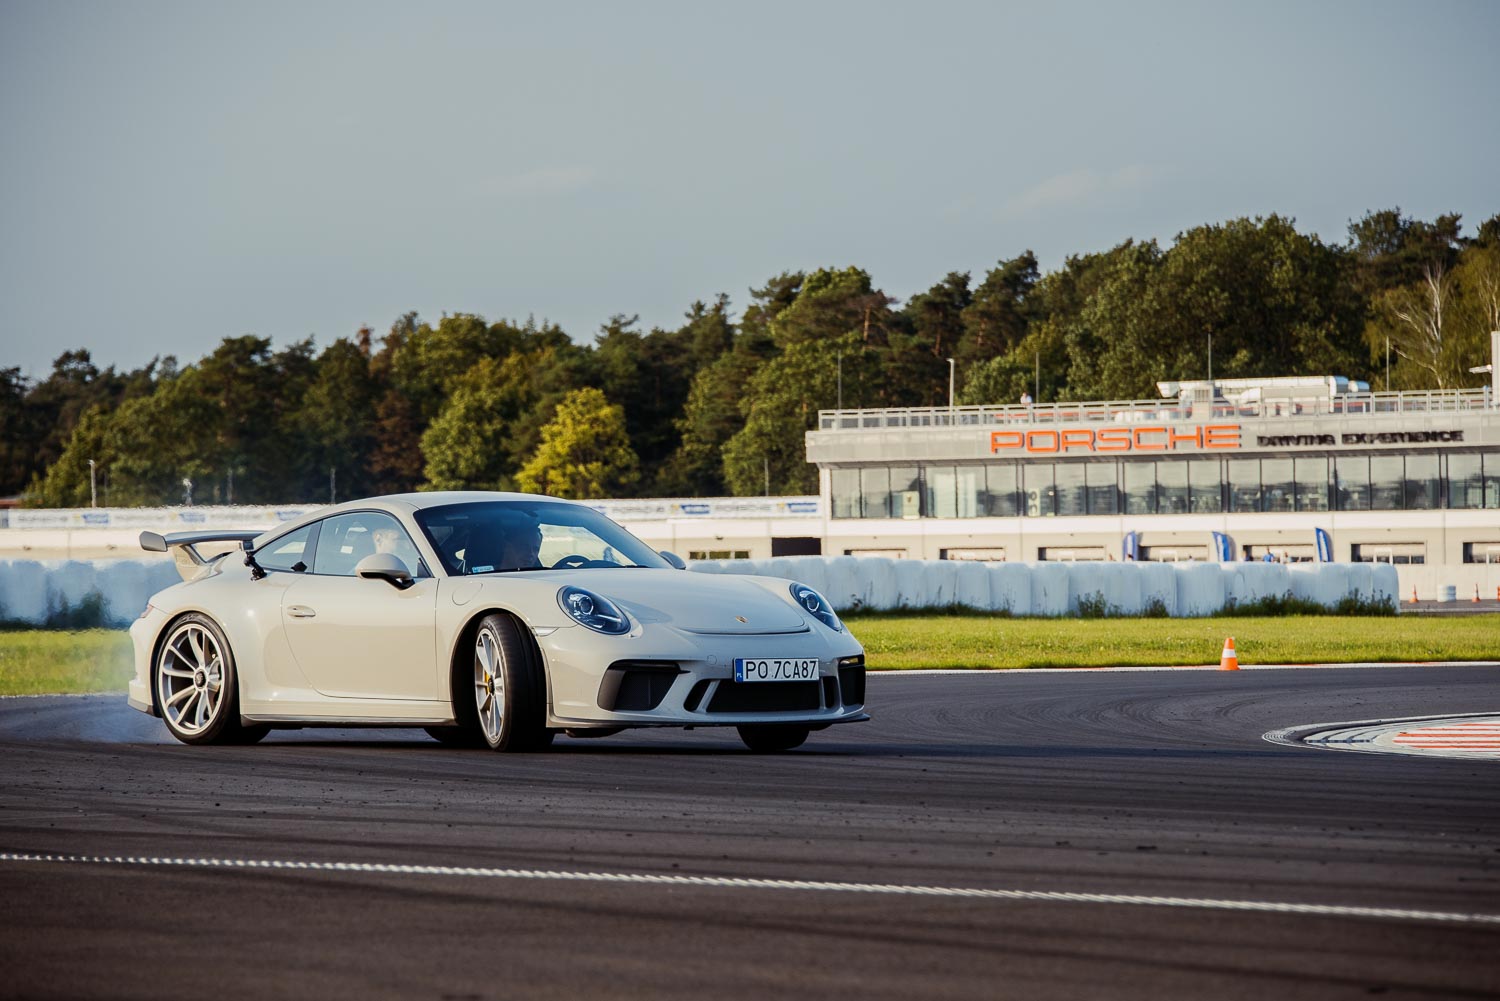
[486,618]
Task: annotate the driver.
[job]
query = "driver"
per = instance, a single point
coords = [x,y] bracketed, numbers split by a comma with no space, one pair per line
[522,546]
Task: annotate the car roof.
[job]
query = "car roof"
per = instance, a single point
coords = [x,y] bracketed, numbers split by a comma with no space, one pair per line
[403,503]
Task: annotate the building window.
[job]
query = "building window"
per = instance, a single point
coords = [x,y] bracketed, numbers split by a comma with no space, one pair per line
[875,493]
[1140,487]
[1492,479]
[1244,484]
[1420,487]
[1001,491]
[1482,552]
[1352,482]
[843,485]
[1071,554]
[989,554]
[1103,494]
[906,492]
[942,492]
[718,554]
[1206,483]
[1466,480]
[1278,488]
[1041,495]
[1172,487]
[1173,554]
[971,482]
[1386,476]
[1312,483]
[1399,553]
[1293,553]
[1071,491]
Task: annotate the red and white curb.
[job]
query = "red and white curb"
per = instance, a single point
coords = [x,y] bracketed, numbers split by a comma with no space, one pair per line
[746,883]
[1470,737]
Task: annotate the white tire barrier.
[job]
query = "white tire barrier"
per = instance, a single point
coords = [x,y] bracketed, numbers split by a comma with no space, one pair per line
[1056,589]
[35,592]
[56,592]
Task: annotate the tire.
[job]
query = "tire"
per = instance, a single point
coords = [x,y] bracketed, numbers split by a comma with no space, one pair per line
[506,694]
[455,736]
[768,738]
[196,687]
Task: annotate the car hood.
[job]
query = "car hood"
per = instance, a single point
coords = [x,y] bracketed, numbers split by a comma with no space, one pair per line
[693,602]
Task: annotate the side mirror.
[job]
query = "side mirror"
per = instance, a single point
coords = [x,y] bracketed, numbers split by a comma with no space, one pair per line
[387,567]
[673,559]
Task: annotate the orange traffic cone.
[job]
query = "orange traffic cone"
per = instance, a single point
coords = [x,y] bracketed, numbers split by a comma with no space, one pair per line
[1228,661]
[1476,594]
[1414,594]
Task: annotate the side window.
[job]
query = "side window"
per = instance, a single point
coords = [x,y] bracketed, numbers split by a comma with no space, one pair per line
[348,538]
[291,553]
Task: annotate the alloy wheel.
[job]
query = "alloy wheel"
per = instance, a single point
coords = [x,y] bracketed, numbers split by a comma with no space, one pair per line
[190,678]
[489,683]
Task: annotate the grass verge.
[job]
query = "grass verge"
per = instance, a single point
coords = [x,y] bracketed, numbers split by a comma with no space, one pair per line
[966,641]
[40,661]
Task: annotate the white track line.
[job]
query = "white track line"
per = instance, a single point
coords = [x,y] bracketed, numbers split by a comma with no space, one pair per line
[899,673]
[738,883]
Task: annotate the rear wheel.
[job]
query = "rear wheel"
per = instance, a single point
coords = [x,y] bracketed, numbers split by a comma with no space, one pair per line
[508,693]
[764,738]
[196,688]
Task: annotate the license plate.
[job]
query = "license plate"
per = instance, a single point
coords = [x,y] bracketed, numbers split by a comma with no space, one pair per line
[775,669]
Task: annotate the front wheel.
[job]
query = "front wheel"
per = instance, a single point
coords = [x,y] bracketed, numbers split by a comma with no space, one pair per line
[509,691]
[764,738]
[197,692]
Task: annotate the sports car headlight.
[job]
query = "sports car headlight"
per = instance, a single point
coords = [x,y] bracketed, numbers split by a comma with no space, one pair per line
[593,610]
[817,606]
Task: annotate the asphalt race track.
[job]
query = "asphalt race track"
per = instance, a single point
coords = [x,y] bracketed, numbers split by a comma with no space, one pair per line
[1077,788]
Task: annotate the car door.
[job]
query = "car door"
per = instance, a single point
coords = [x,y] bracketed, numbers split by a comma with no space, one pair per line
[363,639]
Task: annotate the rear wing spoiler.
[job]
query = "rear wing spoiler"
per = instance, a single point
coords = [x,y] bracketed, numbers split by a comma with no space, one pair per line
[184,546]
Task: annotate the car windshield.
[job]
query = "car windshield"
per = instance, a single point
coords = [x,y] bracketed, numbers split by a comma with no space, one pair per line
[515,536]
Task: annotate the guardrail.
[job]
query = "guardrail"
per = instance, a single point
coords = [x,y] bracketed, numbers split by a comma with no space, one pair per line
[1457,401]
[177,518]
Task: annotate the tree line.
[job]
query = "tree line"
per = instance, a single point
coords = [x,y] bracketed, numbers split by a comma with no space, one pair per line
[719,404]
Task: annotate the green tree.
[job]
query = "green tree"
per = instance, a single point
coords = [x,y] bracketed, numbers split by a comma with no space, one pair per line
[1272,301]
[999,312]
[463,445]
[710,416]
[780,405]
[335,422]
[585,452]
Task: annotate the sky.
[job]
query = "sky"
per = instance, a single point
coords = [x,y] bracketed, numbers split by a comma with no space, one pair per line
[173,174]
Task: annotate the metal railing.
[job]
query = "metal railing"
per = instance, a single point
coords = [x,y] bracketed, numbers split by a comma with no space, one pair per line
[1451,401]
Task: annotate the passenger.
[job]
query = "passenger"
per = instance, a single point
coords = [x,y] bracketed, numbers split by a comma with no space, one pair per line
[391,540]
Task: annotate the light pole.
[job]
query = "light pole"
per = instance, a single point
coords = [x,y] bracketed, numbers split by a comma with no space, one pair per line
[841,380]
[950,389]
[93,491]
[1210,356]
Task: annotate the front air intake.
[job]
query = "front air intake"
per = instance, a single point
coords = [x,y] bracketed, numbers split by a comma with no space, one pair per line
[765,697]
[634,686]
[852,680]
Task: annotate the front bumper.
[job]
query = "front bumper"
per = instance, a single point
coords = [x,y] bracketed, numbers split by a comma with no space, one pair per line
[667,677]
